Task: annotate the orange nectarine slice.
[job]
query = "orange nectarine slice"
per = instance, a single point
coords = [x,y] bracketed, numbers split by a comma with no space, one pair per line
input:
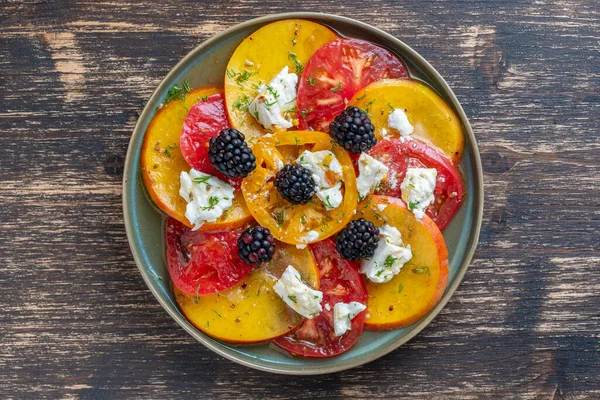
[420,284]
[162,163]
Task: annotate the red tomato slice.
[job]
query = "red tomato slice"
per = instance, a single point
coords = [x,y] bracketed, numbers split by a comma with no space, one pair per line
[335,73]
[400,154]
[204,121]
[203,262]
[340,282]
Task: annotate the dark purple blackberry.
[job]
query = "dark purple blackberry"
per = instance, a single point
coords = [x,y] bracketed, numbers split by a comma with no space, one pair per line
[353,130]
[230,155]
[358,240]
[295,184]
[256,245]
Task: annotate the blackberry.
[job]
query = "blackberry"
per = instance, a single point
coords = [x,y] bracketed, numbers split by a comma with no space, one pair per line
[256,245]
[353,130]
[230,155]
[358,240]
[295,184]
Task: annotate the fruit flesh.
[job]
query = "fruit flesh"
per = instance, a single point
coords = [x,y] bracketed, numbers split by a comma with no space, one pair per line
[433,120]
[260,57]
[162,162]
[400,154]
[287,222]
[340,282]
[420,284]
[251,311]
[335,73]
[203,262]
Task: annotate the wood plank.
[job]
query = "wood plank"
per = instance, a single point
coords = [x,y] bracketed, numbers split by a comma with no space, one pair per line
[78,321]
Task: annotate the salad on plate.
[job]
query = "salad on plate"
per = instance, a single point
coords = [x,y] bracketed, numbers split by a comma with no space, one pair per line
[306,197]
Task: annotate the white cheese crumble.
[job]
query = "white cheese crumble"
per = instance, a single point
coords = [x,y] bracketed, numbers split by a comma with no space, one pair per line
[399,121]
[389,258]
[311,236]
[343,313]
[385,134]
[298,295]
[370,173]
[326,171]
[327,307]
[272,105]
[417,189]
[207,197]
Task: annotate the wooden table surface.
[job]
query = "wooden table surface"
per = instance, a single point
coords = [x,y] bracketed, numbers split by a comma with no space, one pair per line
[77,321]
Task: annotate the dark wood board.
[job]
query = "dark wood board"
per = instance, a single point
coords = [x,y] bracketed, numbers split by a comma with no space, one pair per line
[76,320]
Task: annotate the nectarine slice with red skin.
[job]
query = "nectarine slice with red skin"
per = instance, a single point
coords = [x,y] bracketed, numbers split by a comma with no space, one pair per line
[421,283]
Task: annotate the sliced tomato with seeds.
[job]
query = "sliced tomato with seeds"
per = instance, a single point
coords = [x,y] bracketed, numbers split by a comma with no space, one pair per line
[400,154]
[335,73]
[340,282]
[203,263]
[204,121]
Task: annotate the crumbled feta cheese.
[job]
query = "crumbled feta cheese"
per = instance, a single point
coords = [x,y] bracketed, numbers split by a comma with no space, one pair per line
[399,121]
[417,189]
[300,246]
[332,197]
[207,197]
[278,163]
[381,207]
[327,307]
[343,313]
[326,171]
[311,236]
[371,173]
[272,105]
[385,134]
[389,258]
[298,295]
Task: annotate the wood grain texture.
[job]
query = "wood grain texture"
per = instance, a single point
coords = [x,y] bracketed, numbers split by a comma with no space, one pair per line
[76,318]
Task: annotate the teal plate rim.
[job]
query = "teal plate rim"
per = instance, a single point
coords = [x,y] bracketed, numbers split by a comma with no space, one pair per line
[244,354]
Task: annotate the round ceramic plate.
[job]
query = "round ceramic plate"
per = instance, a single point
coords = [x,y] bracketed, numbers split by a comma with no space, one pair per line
[205,66]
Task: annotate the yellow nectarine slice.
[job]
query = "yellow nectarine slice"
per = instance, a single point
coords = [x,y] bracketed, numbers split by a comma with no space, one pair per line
[260,57]
[433,120]
[251,311]
[420,284]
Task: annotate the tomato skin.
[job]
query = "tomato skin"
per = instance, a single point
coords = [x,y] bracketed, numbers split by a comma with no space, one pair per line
[203,262]
[335,73]
[204,121]
[400,154]
[340,282]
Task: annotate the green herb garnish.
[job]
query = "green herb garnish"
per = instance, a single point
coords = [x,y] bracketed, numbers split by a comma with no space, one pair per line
[202,179]
[337,87]
[178,92]
[212,202]
[389,261]
[169,148]
[297,64]
[422,270]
